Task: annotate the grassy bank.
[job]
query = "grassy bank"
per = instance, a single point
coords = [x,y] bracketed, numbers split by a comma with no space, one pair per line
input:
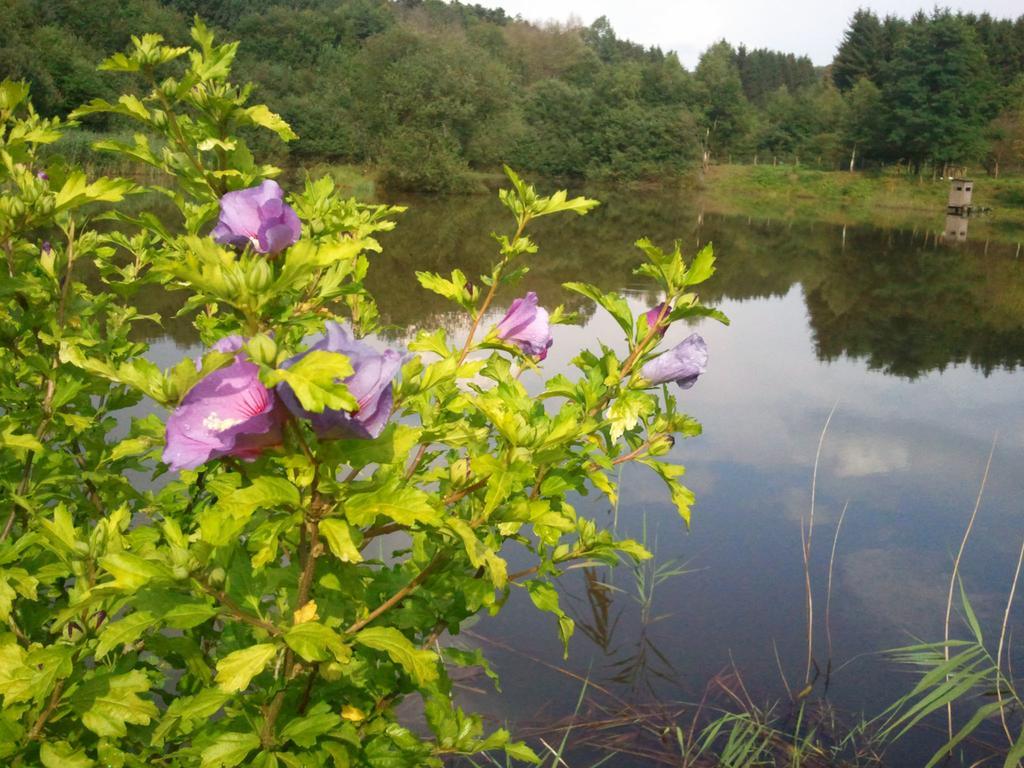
[860,198]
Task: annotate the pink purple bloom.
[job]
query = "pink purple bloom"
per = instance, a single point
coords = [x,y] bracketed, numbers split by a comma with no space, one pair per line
[257,216]
[370,384]
[681,364]
[654,313]
[228,413]
[526,325]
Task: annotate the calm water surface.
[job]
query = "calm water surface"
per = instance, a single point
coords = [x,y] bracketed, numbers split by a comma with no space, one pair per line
[915,342]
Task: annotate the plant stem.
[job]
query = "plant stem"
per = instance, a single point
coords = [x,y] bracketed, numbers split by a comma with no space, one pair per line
[270,717]
[400,595]
[235,610]
[37,727]
[805,541]
[828,595]
[1002,640]
[956,571]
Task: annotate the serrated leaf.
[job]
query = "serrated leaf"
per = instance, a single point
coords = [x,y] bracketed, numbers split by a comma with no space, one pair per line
[315,642]
[229,750]
[613,303]
[305,729]
[131,571]
[108,703]
[60,754]
[236,670]
[341,538]
[184,711]
[404,505]
[702,267]
[189,615]
[420,664]
[123,631]
[261,115]
[316,381]
[545,597]
[8,439]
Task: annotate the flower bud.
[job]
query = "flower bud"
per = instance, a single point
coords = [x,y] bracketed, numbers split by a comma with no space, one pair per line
[661,445]
[259,277]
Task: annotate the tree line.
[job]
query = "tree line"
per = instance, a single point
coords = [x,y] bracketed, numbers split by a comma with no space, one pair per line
[429,91]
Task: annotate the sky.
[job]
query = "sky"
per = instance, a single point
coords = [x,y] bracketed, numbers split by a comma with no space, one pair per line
[810,27]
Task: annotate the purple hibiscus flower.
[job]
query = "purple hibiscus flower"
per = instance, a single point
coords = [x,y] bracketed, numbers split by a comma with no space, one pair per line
[526,325]
[257,216]
[370,384]
[228,413]
[652,315]
[681,364]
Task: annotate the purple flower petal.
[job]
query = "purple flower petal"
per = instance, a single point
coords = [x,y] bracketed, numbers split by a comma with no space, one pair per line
[257,216]
[228,413]
[681,364]
[527,326]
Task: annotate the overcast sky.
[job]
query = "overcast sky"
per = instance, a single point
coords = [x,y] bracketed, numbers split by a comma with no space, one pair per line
[811,27]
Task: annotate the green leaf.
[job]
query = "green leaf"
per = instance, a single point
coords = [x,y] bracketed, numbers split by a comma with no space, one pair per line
[315,642]
[220,524]
[131,571]
[393,444]
[341,538]
[236,669]
[316,381]
[682,496]
[401,504]
[76,191]
[627,410]
[474,658]
[702,267]
[613,303]
[305,729]
[185,711]
[60,754]
[517,750]
[261,115]
[108,702]
[229,750]
[545,597]
[189,615]
[123,631]
[8,439]
[420,664]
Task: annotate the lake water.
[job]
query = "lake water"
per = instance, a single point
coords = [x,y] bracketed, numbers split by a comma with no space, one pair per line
[916,342]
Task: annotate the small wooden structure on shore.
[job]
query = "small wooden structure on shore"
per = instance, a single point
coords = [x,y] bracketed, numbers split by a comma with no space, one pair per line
[960,193]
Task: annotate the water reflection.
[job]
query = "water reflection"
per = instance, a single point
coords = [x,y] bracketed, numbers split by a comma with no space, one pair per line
[919,343]
[896,298]
[956,228]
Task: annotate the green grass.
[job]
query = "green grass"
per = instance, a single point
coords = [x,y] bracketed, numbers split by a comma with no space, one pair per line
[887,199]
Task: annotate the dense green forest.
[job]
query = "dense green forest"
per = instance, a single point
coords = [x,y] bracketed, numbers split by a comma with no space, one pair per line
[429,91]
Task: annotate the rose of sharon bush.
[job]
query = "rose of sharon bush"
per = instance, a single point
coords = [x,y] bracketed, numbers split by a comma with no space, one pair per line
[257,216]
[526,325]
[370,384]
[228,413]
[681,364]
